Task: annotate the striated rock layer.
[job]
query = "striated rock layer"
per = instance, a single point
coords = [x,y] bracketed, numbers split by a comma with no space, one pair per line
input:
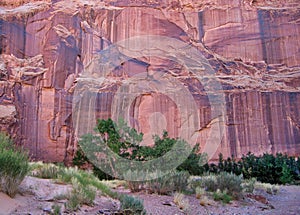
[253,48]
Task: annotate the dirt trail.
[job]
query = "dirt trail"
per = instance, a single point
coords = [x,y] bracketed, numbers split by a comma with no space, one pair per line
[287,201]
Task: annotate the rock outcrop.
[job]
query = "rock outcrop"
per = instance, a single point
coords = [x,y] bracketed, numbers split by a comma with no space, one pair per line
[251,46]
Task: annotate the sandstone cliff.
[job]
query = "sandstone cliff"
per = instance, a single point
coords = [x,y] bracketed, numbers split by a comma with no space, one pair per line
[252,46]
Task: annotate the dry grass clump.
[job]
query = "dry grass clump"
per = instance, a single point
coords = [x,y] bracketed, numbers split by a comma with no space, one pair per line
[182,202]
[269,188]
[17,3]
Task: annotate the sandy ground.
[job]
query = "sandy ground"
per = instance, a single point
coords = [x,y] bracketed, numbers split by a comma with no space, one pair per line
[37,196]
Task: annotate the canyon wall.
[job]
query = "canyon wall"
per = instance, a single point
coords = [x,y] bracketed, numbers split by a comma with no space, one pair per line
[252,47]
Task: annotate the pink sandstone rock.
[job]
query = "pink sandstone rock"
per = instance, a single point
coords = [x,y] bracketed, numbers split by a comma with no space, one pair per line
[252,46]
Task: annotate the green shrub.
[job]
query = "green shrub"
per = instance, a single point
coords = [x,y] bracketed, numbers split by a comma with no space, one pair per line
[268,168]
[225,182]
[135,186]
[87,193]
[231,183]
[85,178]
[5,142]
[199,192]
[80,194]
[73,203]
[222,196]
[124,141]
[56,209]
[286,174]
[131,205]
[35,166]
[164,185]
[195,163]
[269,188]
[167,184]
[229,165]
[65,175]
[208,182]
[14,166]
[46,171]
[248,185]
[84,184]
[82,162]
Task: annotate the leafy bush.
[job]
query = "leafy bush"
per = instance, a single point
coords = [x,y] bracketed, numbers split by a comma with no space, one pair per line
[14,166]
[82,161]
[120,138]
[286,174]
[124,141]
[195,163]
[268,168]
[131,205]
[229,165]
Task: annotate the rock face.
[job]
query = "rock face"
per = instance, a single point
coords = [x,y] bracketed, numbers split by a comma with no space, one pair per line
[252,48]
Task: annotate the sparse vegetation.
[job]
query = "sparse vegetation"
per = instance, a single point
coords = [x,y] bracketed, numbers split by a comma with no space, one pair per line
[85,178]
[80,194]
[46,171]
[225,182]
[175,181]
[248,185]
[221,187]
[56,209]
[182,202]
[14,165]
[204,200]
[164,185]
[85,186]
[269,188]
[222,196]
[226,187]
[200,191]
[131,205]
